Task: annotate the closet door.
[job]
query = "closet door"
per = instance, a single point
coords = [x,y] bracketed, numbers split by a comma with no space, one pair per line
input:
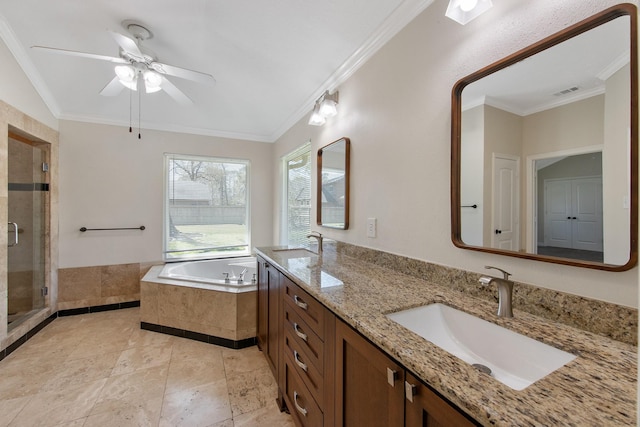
[586,220]
[573,213]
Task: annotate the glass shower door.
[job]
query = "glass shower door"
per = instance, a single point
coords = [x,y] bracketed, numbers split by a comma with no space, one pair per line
[27,208]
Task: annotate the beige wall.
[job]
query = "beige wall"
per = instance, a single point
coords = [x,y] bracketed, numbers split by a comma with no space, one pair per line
[17,91]
[576,125]
[396,110]
[110,178]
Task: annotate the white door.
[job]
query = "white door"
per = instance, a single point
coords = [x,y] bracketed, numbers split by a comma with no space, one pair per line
[587,214]
[506,182]
[557,224]
[573,213]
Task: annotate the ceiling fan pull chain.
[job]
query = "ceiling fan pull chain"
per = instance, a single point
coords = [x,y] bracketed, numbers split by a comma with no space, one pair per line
[130,108]
[139,111]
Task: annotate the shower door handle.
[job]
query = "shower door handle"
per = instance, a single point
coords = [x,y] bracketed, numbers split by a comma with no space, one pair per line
[15,233]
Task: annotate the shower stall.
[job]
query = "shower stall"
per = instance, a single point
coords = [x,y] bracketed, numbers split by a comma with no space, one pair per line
[28,210]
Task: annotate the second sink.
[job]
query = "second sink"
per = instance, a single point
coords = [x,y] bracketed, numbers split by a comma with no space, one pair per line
[515,360]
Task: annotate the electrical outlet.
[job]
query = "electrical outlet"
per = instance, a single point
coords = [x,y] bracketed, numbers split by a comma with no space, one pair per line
[372,227]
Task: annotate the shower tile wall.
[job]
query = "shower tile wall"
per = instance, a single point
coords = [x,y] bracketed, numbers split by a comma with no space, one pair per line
[81,287]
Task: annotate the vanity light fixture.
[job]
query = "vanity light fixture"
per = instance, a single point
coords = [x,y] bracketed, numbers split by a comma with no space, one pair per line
[463,11]
[325,106]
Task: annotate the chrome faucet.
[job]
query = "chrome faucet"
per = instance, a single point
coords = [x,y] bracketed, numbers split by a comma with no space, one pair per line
[316,235]
[505,291]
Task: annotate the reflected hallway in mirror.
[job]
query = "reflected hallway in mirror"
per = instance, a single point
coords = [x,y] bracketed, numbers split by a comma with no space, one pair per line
[544,145]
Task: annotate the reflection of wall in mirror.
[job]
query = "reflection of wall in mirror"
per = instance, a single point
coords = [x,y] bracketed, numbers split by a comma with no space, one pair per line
[600,120]
[616,167]
[471,176]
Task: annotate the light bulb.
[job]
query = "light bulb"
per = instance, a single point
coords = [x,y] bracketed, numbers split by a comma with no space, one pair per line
[317,119]
[152,79]
[328,108]
[467,5]
[125,73]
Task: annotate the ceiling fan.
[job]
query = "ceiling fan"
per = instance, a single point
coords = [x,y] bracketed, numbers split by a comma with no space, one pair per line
[138,66]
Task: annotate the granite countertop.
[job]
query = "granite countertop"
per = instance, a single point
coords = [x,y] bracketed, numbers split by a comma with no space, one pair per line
[597,388]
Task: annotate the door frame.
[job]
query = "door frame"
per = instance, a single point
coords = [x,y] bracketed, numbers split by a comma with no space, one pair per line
[531,190]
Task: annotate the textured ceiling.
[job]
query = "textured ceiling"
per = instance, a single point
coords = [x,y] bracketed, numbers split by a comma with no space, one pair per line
[271,59]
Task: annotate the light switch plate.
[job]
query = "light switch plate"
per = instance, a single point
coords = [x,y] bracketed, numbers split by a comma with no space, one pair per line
[372,227]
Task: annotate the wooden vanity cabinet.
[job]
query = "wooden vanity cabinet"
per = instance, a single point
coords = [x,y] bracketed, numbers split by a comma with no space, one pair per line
[330,375]
[308,357]
[269,321]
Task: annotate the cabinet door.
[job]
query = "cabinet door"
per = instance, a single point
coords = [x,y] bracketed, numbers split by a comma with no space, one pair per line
[269,323]
[369,385]
[263,306]
[425,408]
[274,340]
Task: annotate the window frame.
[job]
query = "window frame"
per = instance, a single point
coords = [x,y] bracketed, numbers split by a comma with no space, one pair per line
[167,158]
[284,229]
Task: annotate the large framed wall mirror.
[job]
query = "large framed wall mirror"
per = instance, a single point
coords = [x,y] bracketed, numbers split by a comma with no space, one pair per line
[544,148]
[333,185]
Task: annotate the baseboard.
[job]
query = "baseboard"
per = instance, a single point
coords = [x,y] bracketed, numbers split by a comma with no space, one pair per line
[210,339]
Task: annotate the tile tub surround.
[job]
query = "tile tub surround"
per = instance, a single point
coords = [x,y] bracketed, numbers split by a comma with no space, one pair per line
[81,287]
[597,388]
[197,308]
[602,318]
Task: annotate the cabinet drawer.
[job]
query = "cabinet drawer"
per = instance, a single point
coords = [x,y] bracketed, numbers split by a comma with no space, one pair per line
[304,336]
[308,373]
[301,403]
[307,307]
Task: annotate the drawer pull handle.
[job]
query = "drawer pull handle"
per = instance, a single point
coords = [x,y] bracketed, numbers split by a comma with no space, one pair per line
[392,376]
[410,391]
[299,362]
[299,333]
[300,303]
[298,407]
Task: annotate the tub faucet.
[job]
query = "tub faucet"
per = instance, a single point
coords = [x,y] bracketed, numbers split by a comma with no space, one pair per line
[505,291]
[316,235]
[241,277]
[226,278]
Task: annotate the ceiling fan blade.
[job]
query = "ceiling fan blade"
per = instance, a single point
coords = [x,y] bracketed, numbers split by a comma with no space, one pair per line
[80,54]
[175,93]
[183,73]
[113,88]
[127,44]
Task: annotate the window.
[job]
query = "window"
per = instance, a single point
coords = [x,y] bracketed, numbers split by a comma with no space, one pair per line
[206,207]
[297,183]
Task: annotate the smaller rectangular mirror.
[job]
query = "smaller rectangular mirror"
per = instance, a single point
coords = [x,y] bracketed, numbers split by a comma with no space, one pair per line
[333,185]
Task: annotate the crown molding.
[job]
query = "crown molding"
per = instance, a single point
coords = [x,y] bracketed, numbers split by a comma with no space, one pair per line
[166,128]
[398,19]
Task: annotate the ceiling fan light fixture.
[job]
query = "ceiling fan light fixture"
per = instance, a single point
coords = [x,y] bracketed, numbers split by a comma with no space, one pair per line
[152,81]
[125,73]
[127,76]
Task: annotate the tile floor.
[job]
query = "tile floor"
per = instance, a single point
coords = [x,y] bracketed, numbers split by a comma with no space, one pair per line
[101,369]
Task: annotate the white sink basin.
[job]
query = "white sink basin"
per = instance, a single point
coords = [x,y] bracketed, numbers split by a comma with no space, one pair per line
[515,360]
[295,253]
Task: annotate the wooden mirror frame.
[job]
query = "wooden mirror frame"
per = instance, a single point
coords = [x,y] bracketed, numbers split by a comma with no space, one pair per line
[346,183]
[456,131]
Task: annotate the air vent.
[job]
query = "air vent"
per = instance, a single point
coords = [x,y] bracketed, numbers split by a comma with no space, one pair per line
[566,91]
